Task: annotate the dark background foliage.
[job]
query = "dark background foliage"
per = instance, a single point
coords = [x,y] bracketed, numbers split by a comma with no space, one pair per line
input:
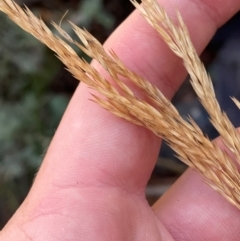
[35,90]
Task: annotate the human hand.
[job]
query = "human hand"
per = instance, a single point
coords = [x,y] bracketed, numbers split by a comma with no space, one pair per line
[91,185]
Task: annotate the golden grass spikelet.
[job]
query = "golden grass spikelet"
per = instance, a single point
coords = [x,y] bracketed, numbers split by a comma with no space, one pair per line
[152,110]
[178,39]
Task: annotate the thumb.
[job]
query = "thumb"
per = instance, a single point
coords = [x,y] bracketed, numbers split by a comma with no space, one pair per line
[192,210]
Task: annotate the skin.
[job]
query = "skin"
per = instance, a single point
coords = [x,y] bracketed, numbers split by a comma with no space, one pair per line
[92,181]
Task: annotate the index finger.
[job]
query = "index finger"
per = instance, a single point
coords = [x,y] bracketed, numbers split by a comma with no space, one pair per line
[91,146]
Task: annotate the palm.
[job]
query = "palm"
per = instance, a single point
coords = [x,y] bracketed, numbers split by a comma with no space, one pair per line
[113,214]
[110,214]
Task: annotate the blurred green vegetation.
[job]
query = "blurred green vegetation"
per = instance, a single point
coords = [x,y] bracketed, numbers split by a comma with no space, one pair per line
[35,90]
[30,112]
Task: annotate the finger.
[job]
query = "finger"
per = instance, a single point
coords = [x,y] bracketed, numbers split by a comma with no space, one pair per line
[104,148]
[93,148]
[192,210]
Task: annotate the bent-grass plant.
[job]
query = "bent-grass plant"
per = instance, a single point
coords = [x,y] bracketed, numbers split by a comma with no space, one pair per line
[152,110]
